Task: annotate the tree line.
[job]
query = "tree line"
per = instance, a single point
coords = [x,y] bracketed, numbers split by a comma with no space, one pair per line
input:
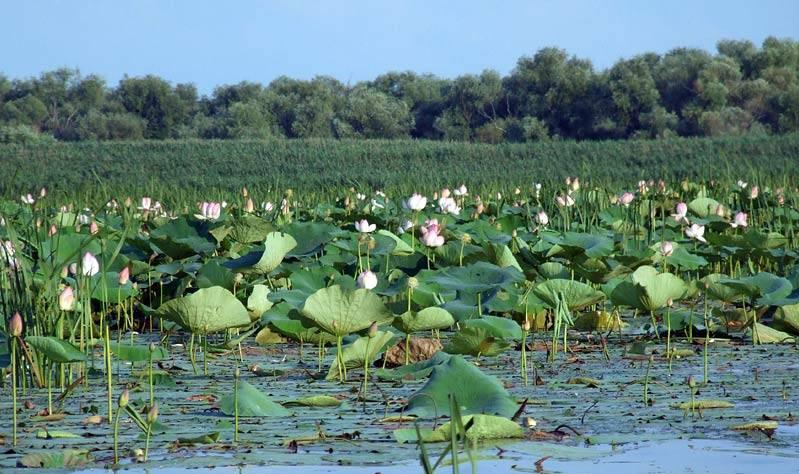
[741,89]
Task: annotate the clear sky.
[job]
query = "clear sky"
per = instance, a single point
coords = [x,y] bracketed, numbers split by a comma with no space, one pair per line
[217,42]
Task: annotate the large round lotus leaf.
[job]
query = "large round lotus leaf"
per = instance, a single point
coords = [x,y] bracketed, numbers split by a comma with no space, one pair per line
[681,258]
[594,246]
[55,349]
[64,248]
[214,274]
[482,231]
[401,248]
[501,255]
[207,311]
[753,239]
[276,246]
[258,302]
[787,319]
[363,350]
[648,289]
[576,294]
[416,371]
[718,291]
[341,312]
[106,288]
[311,236]
[767,287]
[502,328]
[481,427]
[767,335]
[252,402]
[425,320]
[178,239]
[137,353]
[474,278]
[553,270]
[704,206]
[475,392]
[249,229]
[475,341]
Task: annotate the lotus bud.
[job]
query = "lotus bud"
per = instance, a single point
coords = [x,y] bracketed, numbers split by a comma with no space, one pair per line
[526,325]
[43,192]
[89,266]
[244,191]
[530,422]
[128,202]
[53,230]
[238,278]
[65,271]
[413,282]
[666,248]
[152,414]
[669,302]
[15,325]
[690,381]
[66,300]
[249,206]
[124,399]
[124,275]
[754,192]
[93,229]
[152,347]
[575,184]
[373,329]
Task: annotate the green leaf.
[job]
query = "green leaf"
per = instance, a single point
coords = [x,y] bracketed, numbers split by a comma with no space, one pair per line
[341,312]
[139,353]
[206,311]
[502,328]
[704,206]
[178,239]
[577,294]
[475,278]
[213,274]
[65,459]
[258,302]
[363,350]
[402,248]
[252,403]
[276,246]
[475,341]
[55,349]
[425,320]
[314,401]
[483,427]
[476,392]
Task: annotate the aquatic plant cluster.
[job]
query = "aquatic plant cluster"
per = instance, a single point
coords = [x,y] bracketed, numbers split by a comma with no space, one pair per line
[107,310]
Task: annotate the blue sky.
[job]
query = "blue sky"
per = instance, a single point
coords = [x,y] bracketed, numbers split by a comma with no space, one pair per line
[217,42]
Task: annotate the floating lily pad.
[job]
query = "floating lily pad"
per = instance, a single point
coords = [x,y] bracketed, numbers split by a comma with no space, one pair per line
[252,403]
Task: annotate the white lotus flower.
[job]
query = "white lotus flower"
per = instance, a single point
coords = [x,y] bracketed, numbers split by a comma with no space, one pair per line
[696,231]
[367,280]
[364,226]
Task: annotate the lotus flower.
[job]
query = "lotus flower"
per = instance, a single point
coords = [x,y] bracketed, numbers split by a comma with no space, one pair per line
[445,193]
[89,266]
[364,226]
[542,218]
[27,198]
[124,275]
[449,206]
[416,202]
[430,225]
[742,184]
[145,203]
[754,192]
[93,229]
[564,201]
[268,206]
[15,325]
[740,220]
[52,231]
[461,190]
[696,231]
[8,253]
[720,210]
[682,213]
[249,206]
[210,211]
[432,239]
[66,299]
[43,192]
[575,184]
[666,248]
[643,187]
[626,198]
[367,280]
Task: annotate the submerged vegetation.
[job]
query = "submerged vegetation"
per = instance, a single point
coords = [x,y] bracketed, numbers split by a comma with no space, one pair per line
[362,326]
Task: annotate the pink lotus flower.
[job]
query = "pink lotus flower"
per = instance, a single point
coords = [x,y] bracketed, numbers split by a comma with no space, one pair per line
[209,211]
[15,325]
[445,193]
[740,220]
[696,232]
[145,203]
[93,229]
[124,275]
[626,199]
[249,206]
[66,299]
[449,206]
[542,218]
[89,266]
[364,226]
[564,201]
[432,239]
[416,202]
[367,280]
[754,192]
[430,225]
[682,213]
[461,190]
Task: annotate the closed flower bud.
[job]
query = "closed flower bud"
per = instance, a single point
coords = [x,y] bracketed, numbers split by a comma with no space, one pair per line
[152,414]
[124,399]
[15,325]
[373,329]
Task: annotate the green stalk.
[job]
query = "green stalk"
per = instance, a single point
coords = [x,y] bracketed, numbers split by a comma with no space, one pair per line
[14,387]
[237,374]
[109,374]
